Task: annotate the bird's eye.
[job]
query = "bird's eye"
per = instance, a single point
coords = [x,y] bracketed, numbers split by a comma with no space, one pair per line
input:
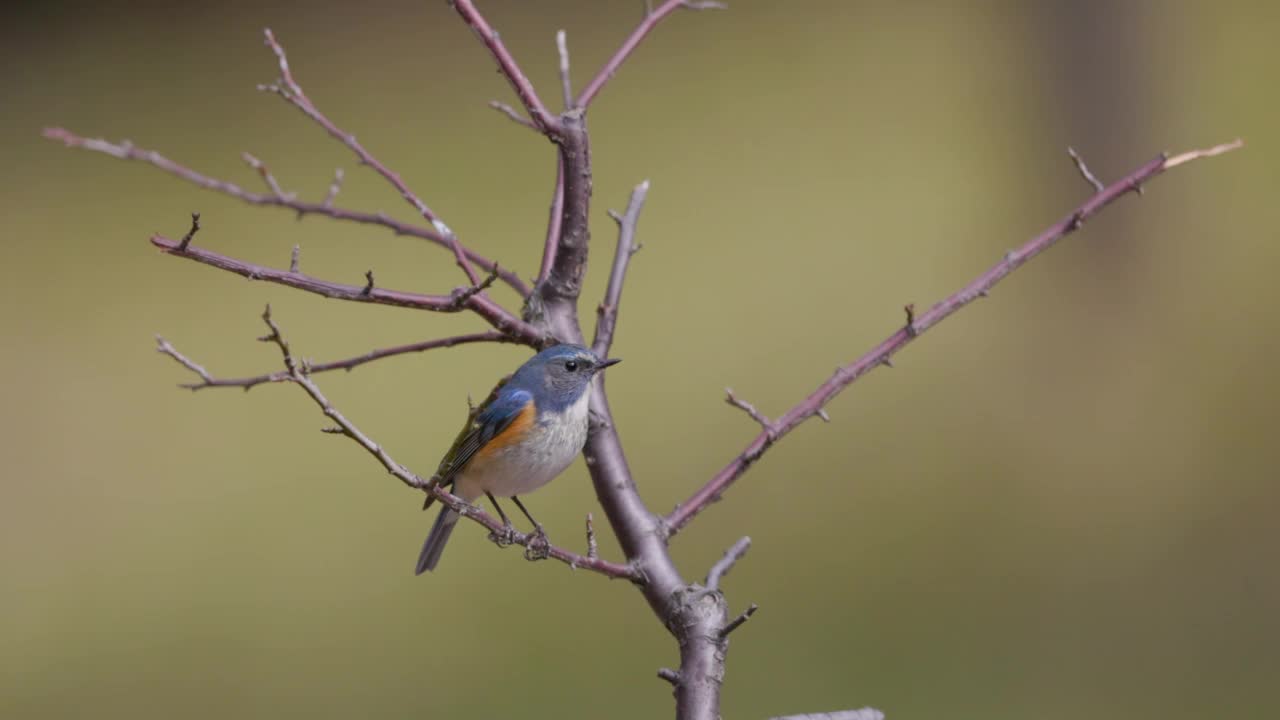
[571,365]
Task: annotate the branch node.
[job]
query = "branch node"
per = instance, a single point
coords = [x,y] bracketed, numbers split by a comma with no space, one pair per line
[910,327]
[669,675]
[368,285]
[294,258]
[822,413]
[460,296]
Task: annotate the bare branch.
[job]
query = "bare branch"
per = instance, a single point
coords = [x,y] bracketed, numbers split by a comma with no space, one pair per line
[195,228]
[862,714]
[265,173]
[1190,155]
[1084,170]
[726,563]
[651,20]
[514,115]
[917,325]
[607,312]
[554,221]
[127,151]
[566,86]
[292,94]
[348,364]
[737,622]
[479,303]
[593,548]
[544,120]
[669,675]
[462,295]
[765,423]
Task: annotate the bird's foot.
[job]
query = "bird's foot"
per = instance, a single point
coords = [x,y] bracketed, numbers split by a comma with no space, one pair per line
[538,547]
[504,536]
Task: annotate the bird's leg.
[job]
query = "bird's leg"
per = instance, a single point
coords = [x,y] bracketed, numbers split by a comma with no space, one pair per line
[538,546]
[507,535]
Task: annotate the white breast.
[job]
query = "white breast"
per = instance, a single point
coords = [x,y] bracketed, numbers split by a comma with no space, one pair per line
[551,446]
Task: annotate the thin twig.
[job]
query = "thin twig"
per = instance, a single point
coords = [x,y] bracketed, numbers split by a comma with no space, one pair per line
[566,86]
[860,714]
[128,151]
[292,93]
[651,20]
[1190,155]
[481,304]
[607,312]
[669,675]
[1084,170]
[726,563]
[737,622]
[544,120]
[265,173]
[185,242]
[348,364]
[593,548]
[514,115]
[917,325]
[554,219]
[765,423]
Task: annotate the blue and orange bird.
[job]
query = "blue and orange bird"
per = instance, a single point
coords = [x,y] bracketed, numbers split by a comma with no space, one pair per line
[525,434]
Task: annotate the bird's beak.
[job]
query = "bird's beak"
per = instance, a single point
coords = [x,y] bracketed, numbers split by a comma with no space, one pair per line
[607,363]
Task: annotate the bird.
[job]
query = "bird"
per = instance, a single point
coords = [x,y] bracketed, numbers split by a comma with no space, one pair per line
[526,433]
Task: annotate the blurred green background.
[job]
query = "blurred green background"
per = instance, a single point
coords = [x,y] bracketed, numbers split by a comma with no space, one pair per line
[1061,503]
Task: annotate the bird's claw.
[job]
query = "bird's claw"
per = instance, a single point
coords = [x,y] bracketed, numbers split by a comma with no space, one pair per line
[538,547]
[504,536]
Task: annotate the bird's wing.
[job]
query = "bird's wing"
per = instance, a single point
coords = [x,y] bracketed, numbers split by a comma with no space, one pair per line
[500,411]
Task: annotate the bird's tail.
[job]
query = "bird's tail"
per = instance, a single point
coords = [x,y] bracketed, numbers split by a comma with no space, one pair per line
[436,539]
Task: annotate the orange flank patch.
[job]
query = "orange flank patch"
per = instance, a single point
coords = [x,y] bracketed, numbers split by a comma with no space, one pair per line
[511,435]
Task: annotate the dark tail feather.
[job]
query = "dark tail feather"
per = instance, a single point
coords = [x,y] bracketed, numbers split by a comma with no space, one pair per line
[434,546]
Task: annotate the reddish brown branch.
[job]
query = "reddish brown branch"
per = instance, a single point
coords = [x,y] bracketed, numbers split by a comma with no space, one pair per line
[633,40]
[479,303]
[545,121]
[209,381]
[607,313]
[917,324]
[128,151]
[293,94]
[554,220]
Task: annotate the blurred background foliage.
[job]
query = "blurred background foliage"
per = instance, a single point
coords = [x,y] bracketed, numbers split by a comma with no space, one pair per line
[1061,503]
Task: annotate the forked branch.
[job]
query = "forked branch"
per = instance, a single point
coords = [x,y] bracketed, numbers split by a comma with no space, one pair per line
[128,151]
[918,323]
